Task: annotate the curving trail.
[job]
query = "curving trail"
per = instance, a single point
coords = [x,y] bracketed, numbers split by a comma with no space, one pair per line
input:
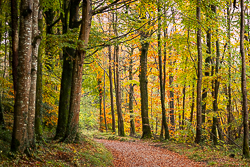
[130,154]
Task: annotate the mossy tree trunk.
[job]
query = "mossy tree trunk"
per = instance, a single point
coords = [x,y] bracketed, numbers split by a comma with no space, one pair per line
[39,91]
[199,81]
[20,135]
[75,98]
[243,83]
[68,54]
[146,131]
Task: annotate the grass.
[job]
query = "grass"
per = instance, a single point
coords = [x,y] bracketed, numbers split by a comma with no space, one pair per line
[112,136]
[53,153]
[212,155]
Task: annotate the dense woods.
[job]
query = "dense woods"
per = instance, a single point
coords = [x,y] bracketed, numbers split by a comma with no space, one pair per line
[173,70]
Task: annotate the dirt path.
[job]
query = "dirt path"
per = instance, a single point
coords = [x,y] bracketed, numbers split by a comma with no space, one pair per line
[130,154]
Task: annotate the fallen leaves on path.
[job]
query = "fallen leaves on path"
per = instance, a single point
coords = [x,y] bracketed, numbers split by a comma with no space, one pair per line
[143,154]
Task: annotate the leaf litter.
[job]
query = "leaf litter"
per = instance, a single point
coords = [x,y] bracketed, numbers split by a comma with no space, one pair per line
[145,154]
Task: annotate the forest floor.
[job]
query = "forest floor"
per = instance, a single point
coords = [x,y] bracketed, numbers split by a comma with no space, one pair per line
[52,153]
[129,151]
[146,154]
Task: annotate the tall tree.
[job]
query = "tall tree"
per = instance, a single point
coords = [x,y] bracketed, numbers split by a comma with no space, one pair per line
[75,97]
[215,85]
[14,36]
[229,106]
[207,69]
[111,90]
[199,81]
[104,102]
[117,82]
[162,90]
[39,90]
[171,80]
[243,83]
[146,131]
[100,101]
[131,95]
[70,8]
[36,39]
[118,94]
[80,53]
[19,135]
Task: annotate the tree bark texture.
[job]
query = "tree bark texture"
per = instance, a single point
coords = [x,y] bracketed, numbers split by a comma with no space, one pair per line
[131,94]
[68,54]
[162,90]
[32,95]
[111,91]
[118,95]
[146,131]
[207,66]
[14,37]
[39,92]
[100,101]
[19,135]
[75,98]
[199,81]
[243,83]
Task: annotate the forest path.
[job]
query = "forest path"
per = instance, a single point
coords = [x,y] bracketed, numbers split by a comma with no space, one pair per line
[145,154]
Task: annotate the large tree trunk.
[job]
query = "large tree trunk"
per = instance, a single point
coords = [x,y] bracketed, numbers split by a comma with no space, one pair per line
[243,83]
[14,36]
[215,90]
[118,95]
[146,131]
[66,80]
[32,96]
[162,90]
[111,91]
[131,94]
[49,19]
[199,81]
[19,135]
[39,90]
[207,66]
[73,120]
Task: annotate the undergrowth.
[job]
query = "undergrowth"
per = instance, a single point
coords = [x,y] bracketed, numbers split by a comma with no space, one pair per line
[53,153]
[219,155]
